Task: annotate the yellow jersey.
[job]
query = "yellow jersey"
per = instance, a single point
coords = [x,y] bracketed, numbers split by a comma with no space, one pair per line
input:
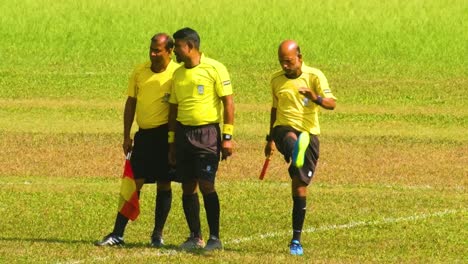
[198,91]
[152,92]
[294,109]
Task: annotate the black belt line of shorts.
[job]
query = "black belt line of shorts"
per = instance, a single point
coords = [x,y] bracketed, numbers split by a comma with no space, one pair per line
[188,128]
[153,128]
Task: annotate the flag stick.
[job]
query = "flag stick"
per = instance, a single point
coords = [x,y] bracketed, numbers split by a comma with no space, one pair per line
[264,169]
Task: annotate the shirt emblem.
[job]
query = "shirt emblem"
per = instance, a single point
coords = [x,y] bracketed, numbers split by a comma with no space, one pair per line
[201,89]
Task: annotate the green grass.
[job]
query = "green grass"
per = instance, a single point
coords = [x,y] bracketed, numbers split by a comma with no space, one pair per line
[355,223]
[87,49]
[391,181]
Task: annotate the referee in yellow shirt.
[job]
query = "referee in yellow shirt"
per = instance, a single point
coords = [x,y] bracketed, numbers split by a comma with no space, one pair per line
[148,97]
[201,89]
[298,93]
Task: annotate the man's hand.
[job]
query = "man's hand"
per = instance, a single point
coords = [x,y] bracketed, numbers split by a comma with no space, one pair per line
[172,154]
[308,93]
[270,147]
[226,149]
[127,145]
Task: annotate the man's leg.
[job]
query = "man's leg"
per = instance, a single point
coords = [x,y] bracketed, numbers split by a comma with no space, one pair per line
[210,198]
[301,178]
[115,238]
[212,208]
[121,221]
[191,205]
[289,141]
[299,195]
[163,206]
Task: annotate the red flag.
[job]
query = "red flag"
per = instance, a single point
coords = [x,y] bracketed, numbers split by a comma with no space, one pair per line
[129,205]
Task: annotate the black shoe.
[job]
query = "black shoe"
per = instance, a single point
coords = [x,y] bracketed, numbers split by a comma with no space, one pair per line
[110,240]
[157,242]
[192,243]
[213,244]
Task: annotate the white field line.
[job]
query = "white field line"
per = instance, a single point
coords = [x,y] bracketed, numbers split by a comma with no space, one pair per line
[350,225]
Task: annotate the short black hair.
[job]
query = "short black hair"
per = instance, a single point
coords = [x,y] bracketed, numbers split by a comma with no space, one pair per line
[298,50]
[188,35]
[169,42]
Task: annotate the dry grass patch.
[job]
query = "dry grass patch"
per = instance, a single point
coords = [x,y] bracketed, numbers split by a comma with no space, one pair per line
[368,160]
[61,154]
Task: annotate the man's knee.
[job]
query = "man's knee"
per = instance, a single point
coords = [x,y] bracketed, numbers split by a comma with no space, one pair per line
[163,185]
[206,187]
[139,183]
[189,187]
[298,187]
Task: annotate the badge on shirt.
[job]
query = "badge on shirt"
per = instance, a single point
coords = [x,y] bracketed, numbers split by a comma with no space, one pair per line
[225,83]
[201,89]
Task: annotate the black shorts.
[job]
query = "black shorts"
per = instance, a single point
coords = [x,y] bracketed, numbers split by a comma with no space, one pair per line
[197,152]
[150,154]
[285,147]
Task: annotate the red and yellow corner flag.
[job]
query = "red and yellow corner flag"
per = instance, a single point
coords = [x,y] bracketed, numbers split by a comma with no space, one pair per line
[129,205]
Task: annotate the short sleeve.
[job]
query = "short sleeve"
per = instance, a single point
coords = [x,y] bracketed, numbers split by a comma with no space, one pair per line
[275,99]
[132,89]
[223,83]
[322,88]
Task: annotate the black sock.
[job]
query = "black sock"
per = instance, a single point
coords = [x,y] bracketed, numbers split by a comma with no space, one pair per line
[191,206]
[298,216]
[212,212]
[120,224]
[163,206]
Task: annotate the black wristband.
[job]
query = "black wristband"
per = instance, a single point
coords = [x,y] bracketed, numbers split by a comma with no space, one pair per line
[227,137]
[319,100]
[268,138]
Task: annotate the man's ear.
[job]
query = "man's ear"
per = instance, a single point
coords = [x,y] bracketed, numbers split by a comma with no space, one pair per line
[190,45]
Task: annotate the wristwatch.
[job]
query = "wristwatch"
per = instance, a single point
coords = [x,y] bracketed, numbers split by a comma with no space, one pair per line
[227,137]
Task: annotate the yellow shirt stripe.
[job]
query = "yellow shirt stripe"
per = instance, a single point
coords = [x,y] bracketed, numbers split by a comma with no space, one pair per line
[294,109]
[198,91]
[152,91]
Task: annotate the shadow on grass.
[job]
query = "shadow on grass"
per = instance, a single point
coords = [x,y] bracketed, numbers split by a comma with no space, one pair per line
[47,240]
[173,247]
[169,247]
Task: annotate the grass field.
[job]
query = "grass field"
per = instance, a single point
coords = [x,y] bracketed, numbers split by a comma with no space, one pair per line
[392,177]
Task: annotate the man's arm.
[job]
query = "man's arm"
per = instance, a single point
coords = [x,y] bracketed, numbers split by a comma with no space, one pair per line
[129,115]
[327,103]
[172,123]
[228,103]
[270,145]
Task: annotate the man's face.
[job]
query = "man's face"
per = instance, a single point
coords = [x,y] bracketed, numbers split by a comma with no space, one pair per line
[291,63]
[158,52]
[181,50]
